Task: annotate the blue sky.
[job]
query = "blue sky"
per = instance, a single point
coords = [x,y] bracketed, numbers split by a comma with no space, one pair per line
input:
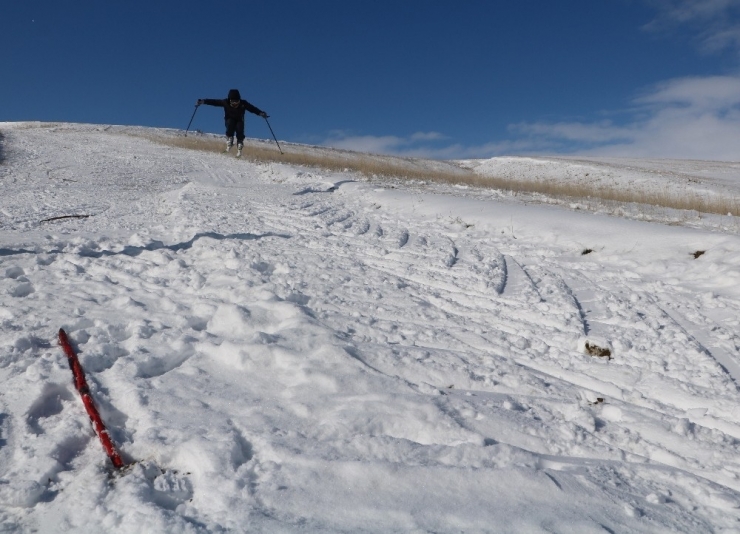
[448,79]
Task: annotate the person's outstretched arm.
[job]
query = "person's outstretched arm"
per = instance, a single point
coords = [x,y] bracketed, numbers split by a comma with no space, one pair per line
[212,102]
[254,109]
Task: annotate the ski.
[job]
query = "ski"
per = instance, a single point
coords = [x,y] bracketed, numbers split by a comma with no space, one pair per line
[92,411]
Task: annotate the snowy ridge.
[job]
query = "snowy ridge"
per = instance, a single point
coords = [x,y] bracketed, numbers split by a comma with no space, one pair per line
[284,349]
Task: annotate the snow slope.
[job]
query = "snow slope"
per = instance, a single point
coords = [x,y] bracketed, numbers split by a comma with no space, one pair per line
[674,176]
[282,349]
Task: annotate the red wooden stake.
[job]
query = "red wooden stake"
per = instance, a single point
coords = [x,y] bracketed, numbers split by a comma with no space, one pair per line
[87,400]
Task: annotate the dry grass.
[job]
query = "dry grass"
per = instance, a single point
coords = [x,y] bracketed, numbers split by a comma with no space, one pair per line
[666,198]
[28,125]
[335,160]
[371,166]
[377,166]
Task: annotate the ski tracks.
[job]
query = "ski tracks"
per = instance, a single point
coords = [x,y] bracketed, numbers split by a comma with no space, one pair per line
[539,312]
[472,303]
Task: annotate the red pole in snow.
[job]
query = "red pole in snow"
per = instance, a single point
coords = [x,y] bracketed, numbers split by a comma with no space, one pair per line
[87,400]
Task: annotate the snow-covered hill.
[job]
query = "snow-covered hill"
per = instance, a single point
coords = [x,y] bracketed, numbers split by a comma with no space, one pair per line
[279,349]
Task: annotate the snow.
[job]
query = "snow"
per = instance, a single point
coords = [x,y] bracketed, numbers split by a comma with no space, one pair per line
[277,348]
[676,176]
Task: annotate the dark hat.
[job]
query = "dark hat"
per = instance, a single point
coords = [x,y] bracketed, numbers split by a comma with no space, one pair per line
[234,94]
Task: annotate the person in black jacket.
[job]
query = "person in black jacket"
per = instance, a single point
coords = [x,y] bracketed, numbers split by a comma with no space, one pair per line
[234,108]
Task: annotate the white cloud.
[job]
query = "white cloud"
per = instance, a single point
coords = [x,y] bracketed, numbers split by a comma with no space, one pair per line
[685,118]
[691,118]
[365,143]
[428,145]
[427,136]
[710,93]
[413,145]
[600,132]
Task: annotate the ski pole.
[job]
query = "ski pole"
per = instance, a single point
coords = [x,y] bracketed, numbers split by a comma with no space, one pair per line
[191,120]
[273,135]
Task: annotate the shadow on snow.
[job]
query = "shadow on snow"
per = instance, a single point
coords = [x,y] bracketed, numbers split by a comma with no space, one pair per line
[154,245]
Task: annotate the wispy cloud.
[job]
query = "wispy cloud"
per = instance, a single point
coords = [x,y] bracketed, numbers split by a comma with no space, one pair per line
[695,118]
[598,132]
[417,144]
[688,10]
[432,145]
[715,23]
[685,118]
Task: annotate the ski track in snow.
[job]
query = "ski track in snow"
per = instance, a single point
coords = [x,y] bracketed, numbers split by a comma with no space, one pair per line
[280,351]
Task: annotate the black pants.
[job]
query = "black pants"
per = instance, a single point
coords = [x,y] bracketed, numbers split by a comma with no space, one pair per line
[235,126]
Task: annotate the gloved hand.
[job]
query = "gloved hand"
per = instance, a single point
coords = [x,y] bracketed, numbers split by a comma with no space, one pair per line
[199,102]
[264,115]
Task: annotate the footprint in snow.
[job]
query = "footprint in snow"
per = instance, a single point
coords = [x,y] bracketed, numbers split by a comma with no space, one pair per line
[23,289]
[48,404]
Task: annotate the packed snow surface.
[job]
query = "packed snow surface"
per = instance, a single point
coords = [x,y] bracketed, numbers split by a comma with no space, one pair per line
[280,349]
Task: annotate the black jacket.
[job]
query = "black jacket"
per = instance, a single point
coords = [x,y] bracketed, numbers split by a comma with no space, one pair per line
[231,112]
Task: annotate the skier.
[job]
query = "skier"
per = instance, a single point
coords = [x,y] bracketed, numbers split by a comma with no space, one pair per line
[234,108]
